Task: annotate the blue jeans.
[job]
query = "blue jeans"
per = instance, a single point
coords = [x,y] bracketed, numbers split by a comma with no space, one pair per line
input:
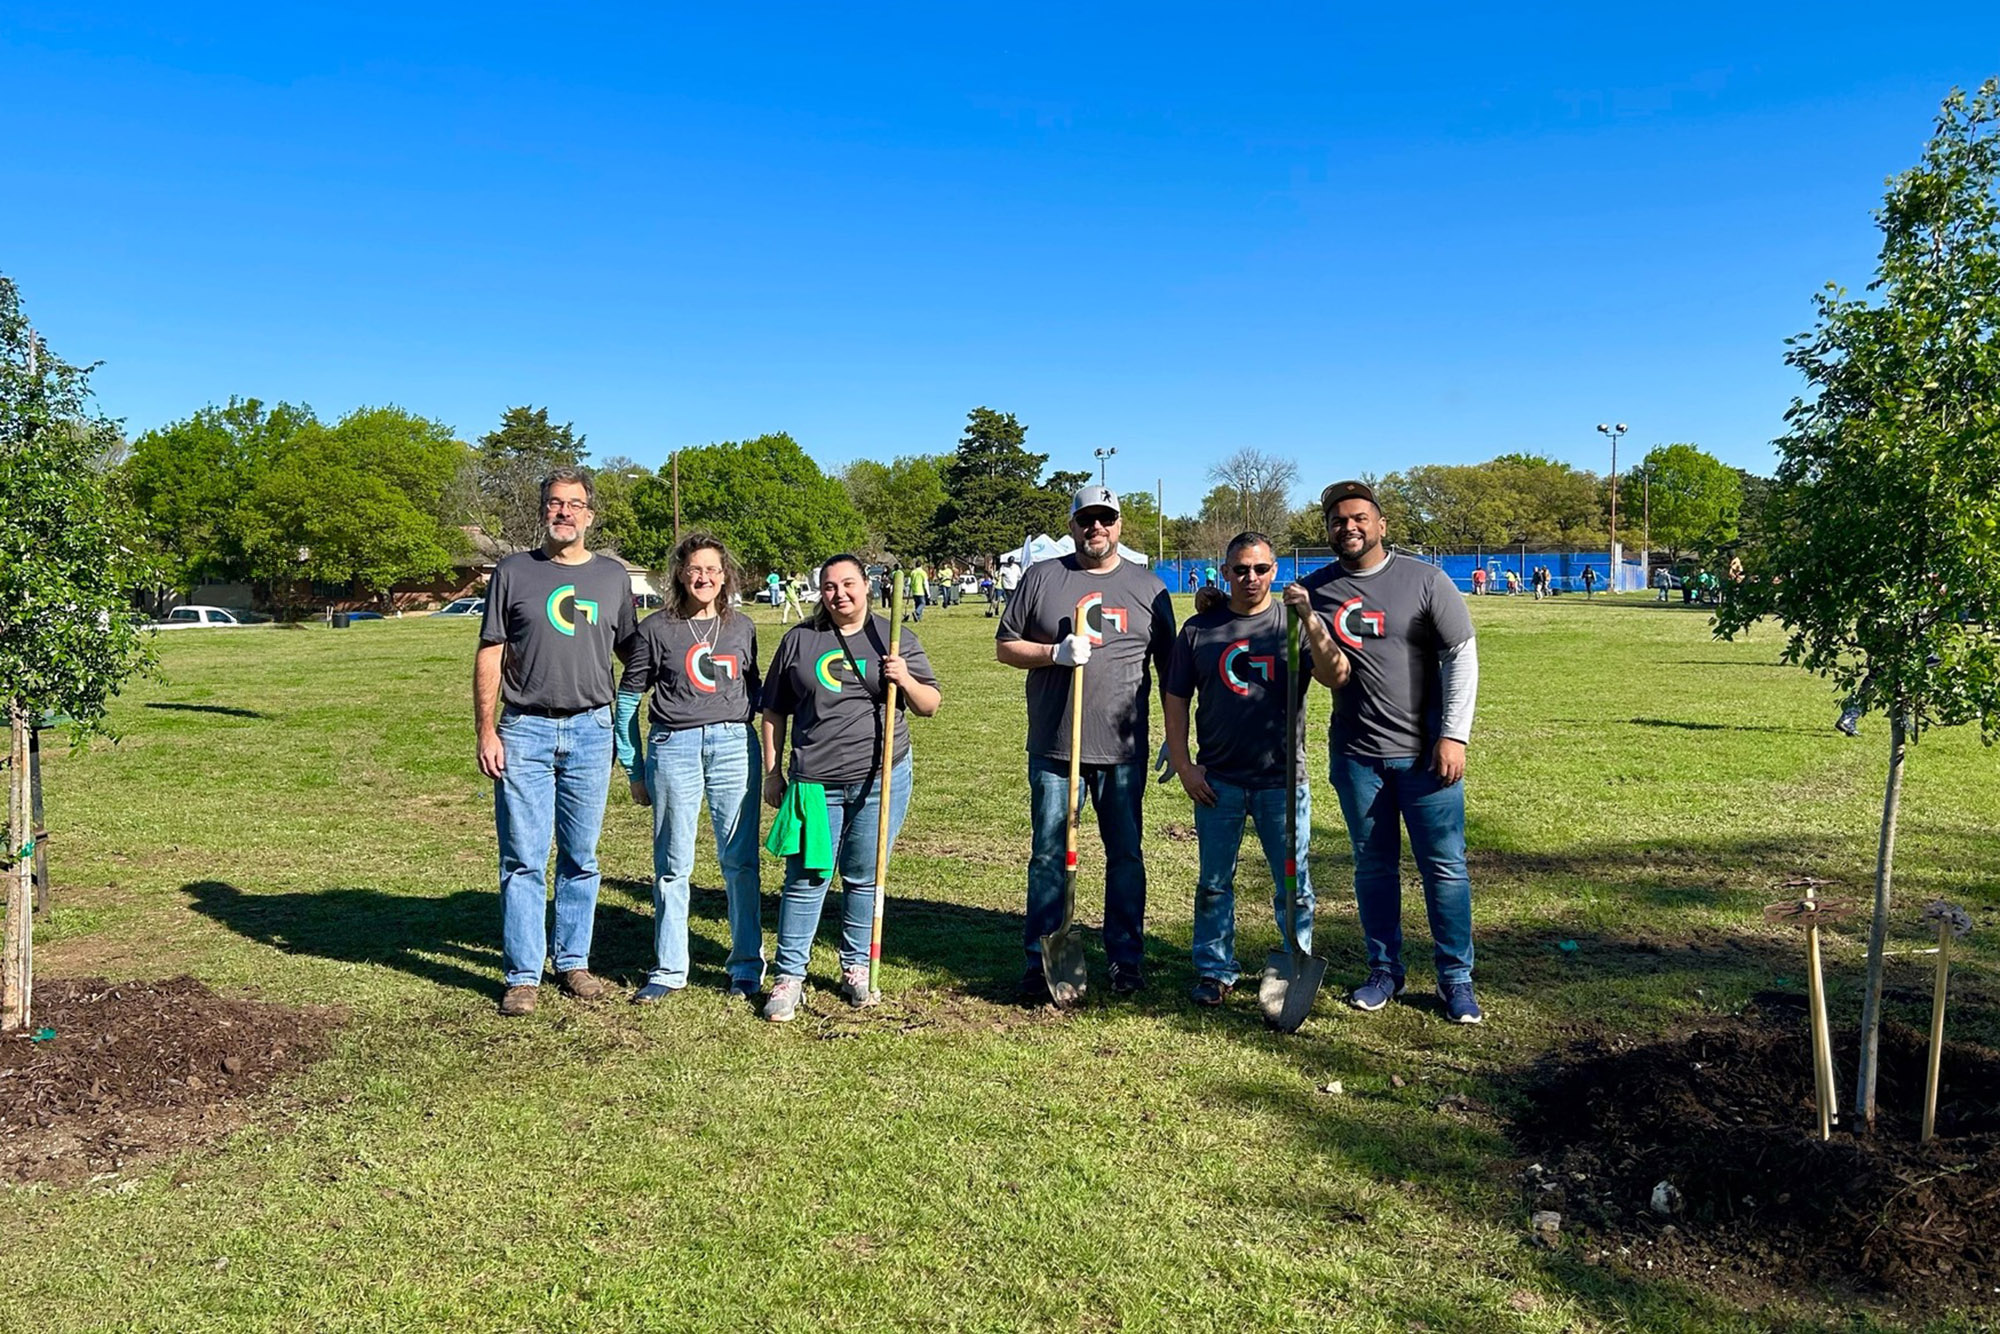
[917,606]
[1374,796]
[557,779]
[1116,793]
[852,812]
[683,766]
[1219,835]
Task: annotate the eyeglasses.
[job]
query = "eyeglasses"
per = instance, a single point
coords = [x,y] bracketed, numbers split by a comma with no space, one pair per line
[1245,571]
[1094,520]
[572,506]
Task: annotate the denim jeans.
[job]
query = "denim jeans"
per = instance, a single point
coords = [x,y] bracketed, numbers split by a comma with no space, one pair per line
[1219,836]
[852,812]
[1116,793]
[555,785]
[682,766]
[1378,797]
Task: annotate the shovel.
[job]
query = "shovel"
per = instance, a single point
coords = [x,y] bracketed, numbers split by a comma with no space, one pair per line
[1062,948]
[1291,979]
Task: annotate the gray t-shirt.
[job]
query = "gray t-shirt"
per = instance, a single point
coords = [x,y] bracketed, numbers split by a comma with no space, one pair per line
[836,721]
[700,672]
[561,624]
[1233,668]
[1392,622]
[1131,624]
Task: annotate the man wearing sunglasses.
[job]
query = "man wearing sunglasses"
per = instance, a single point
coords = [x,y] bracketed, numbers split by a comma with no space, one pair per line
[1392,637]
[1230,661]
[1127,630]
[555,615]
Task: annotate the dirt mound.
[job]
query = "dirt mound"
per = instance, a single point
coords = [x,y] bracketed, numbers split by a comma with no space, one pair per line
[136,1069]
[1725,1117]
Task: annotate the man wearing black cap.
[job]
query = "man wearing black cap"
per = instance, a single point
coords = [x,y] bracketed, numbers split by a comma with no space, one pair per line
[1393,639]
[1127,629]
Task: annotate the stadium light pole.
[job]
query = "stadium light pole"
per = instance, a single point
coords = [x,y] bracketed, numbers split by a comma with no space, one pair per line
[1103,457]
[1614,432]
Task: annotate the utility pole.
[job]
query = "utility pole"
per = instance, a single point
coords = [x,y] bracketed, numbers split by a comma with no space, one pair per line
[1160,516]
[677,497]
[1614,432]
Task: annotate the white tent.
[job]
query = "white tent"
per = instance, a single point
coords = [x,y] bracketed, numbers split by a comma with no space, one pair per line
[1048,548]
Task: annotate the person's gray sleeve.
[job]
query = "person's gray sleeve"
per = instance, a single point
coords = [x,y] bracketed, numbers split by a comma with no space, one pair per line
[1458,678]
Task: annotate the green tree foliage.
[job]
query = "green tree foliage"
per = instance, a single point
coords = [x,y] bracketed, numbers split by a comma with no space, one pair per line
[68,634]
[363,501]
[612,480]
[513,459]
[765,498]
[1512,499]
[1883,523]
[899,503]
[1696,500]
[190,479]
[996,497]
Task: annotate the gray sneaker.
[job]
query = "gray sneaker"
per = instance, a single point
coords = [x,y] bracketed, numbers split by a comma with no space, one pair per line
[783,1004]
[854,988]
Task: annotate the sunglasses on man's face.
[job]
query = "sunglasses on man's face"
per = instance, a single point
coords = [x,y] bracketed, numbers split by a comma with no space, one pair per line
[1245,571]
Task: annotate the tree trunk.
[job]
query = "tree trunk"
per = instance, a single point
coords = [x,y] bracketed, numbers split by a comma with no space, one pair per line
[1878,931]
[16,961]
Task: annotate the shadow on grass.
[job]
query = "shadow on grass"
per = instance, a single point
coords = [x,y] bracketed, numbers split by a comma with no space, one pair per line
[1686,726]
[222,709]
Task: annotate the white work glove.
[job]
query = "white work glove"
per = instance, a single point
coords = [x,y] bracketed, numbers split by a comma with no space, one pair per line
[1072,651]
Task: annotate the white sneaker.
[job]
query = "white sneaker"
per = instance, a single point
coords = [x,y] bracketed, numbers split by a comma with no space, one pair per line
[854,988]
[783,1005]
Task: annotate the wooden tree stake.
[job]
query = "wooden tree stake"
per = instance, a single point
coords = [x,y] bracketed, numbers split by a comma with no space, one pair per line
[1951,921]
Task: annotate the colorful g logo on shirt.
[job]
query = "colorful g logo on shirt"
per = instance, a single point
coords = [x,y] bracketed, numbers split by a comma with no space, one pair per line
[1236,656]
[704,665]
[1351,623]
[830,660]
[580,607]
[1095,616]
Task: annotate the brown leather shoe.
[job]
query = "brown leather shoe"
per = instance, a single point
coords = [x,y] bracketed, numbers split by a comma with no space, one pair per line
[519,1001]
[578,983]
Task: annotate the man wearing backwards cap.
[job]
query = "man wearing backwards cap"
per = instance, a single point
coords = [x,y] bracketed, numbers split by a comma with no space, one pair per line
[1392,638]
[1127,629]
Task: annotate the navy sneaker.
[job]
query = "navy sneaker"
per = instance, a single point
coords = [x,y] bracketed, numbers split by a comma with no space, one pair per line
[1460,1005]
[1381,987]
[1127,979]
[743,988]
[653,991]
[1210,991]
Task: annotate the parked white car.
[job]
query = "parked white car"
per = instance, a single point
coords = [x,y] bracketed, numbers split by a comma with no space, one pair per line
[468,607]
[188,617]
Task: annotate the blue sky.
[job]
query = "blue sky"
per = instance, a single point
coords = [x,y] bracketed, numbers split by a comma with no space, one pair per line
[1358,241]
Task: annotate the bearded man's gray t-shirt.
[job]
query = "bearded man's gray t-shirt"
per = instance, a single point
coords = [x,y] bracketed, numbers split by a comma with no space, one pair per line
[561,624]
[1232,666]
[1393,623]
[698,672]
[1130,620]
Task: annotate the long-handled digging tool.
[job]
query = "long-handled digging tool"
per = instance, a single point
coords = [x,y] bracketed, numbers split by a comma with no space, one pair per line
[1951,920]
[1291,976]
[883,793]
[1062,949]
[1811,912]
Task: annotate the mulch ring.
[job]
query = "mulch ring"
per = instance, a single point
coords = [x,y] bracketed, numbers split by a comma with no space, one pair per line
[133,1070]
[1724,1117]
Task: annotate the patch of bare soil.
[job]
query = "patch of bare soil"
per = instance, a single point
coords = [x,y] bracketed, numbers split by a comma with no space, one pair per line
[134,1070]
[1719,1125]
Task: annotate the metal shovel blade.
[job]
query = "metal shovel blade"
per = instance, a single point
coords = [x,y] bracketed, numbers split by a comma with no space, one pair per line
[1062,964]
[1286,991]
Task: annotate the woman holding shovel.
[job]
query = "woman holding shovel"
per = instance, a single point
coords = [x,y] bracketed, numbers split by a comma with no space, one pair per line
[828,683]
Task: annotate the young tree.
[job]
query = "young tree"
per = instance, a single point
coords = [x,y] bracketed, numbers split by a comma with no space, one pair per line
[1882,520]
[68,634]
[512,462]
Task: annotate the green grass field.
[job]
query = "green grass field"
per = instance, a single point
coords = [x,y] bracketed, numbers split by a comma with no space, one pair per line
[297,812]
